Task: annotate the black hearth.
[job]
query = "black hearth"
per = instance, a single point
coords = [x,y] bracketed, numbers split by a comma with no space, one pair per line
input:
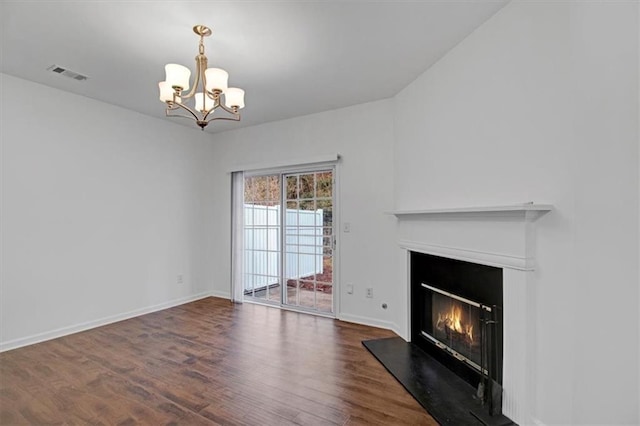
[453,365]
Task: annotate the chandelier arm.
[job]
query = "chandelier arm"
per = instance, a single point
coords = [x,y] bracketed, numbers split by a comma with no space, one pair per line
[179,116]
[204,117]
[184,107]
[229,110]
[236,118]
[216,105]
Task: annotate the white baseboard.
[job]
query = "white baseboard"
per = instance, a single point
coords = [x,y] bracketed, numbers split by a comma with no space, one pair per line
[64,331]
[396,330]
[220,294]
[372,322]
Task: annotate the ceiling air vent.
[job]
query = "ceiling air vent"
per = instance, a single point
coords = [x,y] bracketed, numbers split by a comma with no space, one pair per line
[67,73]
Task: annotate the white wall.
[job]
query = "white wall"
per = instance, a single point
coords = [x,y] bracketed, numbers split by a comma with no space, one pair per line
[541,104]
[362,135]
[100,212]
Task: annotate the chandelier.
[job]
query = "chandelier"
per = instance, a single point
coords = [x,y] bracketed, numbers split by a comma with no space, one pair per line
[208,91]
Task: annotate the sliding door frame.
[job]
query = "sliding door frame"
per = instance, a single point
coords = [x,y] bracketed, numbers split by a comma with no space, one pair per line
[332,166]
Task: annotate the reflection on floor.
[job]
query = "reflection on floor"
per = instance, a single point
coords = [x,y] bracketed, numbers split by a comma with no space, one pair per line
[323,297]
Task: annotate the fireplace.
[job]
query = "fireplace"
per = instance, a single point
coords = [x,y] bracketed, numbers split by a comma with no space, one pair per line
[503,238]
[457,318]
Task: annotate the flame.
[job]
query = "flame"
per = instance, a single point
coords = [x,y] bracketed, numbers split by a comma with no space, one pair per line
[453,321]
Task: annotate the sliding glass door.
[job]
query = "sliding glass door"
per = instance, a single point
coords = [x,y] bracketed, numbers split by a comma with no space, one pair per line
[289,240]
[262,238]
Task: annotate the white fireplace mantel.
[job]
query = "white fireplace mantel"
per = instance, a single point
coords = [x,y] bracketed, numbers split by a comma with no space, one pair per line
[529,211]
[501,236]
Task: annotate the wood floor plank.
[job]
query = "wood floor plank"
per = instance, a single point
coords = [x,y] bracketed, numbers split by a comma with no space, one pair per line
[209,362]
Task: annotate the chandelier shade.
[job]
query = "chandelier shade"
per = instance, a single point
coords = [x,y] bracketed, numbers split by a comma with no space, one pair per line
[177,76]
[210,86]
[166,91]
[234,97]
[217,79]
[203,102]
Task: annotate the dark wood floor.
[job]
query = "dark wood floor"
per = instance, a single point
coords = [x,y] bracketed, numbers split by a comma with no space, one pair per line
[203,363]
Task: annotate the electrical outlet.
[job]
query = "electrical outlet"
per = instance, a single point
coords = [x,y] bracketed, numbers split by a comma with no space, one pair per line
[349,288]
[346,227]
[179,279]
[370,292]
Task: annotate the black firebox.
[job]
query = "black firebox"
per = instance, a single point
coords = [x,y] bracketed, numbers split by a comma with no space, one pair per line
[456,317]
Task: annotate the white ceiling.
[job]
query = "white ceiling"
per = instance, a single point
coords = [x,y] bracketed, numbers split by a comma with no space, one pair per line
[292,57]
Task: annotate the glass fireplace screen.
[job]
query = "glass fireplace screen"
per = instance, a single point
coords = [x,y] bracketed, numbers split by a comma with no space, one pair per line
[454,325]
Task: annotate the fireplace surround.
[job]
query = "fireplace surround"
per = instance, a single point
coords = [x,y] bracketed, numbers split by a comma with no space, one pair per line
[500,236]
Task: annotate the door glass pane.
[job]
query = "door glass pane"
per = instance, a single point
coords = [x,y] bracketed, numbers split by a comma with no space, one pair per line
[273,190]
[324,185]
[292,187]
[308,205]
[307,186]
[309,232]
[262,233]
